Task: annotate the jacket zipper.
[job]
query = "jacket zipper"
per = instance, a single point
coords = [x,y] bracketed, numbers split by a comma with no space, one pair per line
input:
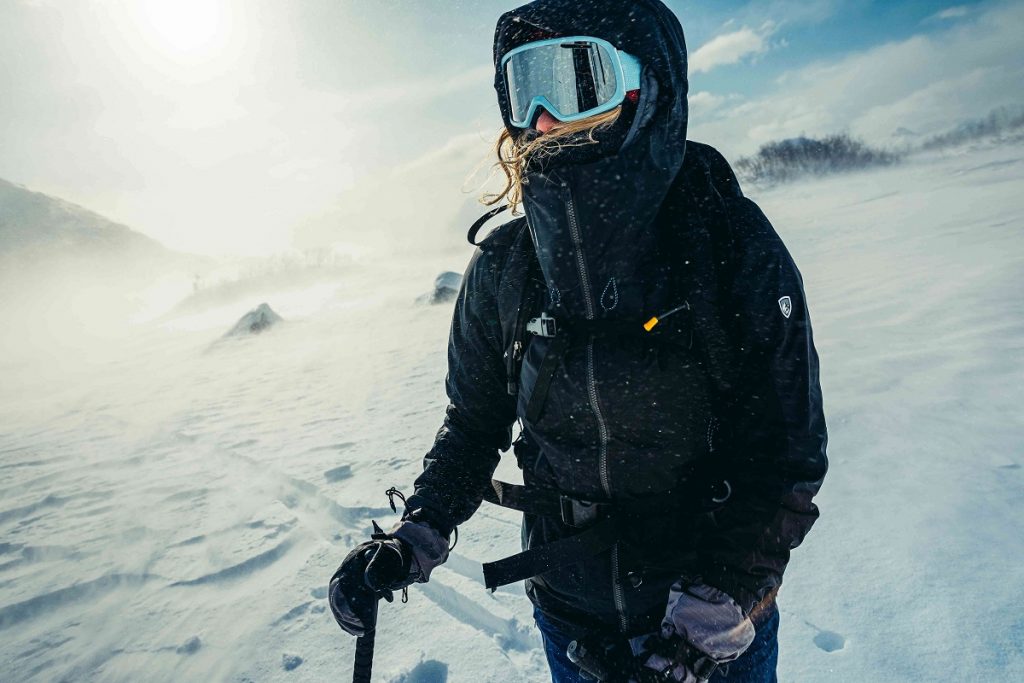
[602,427]
[595,406]
[602,430]
[577,242]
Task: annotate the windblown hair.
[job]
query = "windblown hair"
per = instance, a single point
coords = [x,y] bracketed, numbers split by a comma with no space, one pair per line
[513,154]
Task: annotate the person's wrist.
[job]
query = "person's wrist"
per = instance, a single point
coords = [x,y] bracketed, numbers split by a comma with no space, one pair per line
[434,518]
[427,547]
[731,582]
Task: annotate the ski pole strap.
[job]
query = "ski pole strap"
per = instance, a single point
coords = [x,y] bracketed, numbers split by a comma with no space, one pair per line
[552,555]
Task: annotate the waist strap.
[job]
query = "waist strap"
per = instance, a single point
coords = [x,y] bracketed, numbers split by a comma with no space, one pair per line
[552,555]
[700,494]
[600,522]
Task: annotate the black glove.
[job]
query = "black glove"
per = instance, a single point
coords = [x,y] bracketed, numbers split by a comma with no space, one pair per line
[375,569]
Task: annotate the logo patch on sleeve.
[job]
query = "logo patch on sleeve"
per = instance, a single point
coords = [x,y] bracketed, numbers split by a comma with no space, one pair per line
[786,306]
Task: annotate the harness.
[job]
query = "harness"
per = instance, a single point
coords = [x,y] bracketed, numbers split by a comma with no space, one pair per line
[600,523]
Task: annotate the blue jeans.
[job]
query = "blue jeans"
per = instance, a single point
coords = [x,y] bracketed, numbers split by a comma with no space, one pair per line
[756,665]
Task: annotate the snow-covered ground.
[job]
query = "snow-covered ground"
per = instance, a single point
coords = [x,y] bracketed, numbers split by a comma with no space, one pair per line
[171,508]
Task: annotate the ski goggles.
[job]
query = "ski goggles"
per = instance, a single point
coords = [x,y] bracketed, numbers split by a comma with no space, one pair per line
[572,78]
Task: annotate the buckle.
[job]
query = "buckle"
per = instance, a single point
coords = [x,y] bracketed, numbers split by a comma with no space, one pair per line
[579,513]
[721,492]
[544,326]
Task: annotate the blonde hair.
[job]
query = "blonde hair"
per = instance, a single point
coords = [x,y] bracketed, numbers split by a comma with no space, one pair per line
[513,155]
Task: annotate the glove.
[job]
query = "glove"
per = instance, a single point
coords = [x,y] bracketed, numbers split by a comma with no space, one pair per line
[375,569]
[703,628]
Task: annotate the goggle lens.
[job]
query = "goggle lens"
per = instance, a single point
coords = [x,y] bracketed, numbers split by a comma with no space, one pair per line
[569,77]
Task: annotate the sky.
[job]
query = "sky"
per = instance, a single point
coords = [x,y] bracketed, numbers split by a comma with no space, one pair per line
[248,127]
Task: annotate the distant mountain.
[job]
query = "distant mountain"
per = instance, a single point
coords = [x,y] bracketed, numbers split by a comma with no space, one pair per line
[37,225]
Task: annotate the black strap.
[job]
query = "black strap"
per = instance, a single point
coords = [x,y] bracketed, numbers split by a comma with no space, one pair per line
[531,500]
[530,294]
[704,491]
[545,373]
[605,529]
[552,555]
[475,228]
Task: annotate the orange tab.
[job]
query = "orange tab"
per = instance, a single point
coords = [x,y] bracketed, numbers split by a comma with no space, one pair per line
[649,325]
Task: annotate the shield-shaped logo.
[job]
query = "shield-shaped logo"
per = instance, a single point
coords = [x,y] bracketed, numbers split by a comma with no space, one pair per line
[786,306]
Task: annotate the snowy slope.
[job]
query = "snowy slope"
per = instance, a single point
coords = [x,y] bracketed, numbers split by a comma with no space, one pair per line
[174,513]
[37,222]
[68,274]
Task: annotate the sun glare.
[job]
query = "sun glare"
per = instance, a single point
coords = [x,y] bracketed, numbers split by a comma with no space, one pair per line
[191,28]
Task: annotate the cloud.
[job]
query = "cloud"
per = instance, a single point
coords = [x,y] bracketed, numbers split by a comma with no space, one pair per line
[926,83]
[705,104]
[728,16]
[954,12]
[391,93]
[459,149]
[436,191]
[794,11]
[730,48]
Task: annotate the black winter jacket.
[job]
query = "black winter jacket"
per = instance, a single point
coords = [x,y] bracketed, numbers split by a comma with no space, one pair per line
[628,418]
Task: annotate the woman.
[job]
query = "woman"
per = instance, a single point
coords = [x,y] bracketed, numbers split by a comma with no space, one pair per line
[647,327]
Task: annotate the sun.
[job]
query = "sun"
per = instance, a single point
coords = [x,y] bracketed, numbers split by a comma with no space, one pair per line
[190,28]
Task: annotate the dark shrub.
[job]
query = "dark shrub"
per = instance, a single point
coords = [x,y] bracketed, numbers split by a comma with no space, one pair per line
[778,162]
[1000,123]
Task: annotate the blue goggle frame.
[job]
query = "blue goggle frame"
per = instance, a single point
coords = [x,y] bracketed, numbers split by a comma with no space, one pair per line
[626,68]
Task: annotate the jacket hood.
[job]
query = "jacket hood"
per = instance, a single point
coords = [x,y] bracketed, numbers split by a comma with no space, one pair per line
[592,212]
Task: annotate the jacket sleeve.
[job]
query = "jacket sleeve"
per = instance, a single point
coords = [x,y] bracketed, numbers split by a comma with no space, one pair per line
[479,417]
[773,424]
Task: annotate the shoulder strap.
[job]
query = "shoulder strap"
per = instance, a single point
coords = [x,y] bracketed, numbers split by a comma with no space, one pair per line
[528,282]
[479,223]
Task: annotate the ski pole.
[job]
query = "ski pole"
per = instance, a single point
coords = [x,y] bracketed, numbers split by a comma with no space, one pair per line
[364,652]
